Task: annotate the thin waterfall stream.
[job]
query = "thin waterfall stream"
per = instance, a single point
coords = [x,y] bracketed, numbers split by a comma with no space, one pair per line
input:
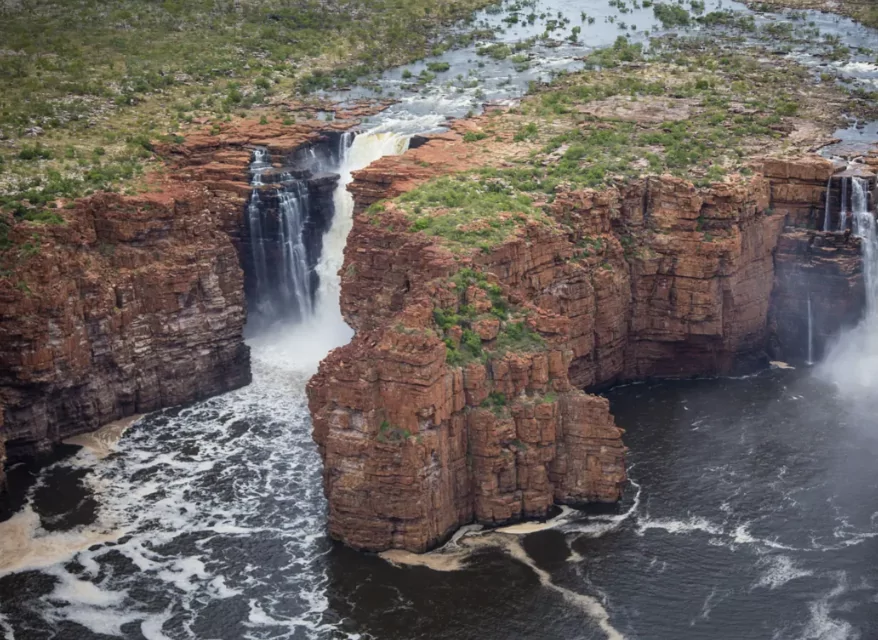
[810,360]
[751,514]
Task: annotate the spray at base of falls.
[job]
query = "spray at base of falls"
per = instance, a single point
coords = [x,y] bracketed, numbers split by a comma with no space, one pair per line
[307,341]
[852,362]
[810,360]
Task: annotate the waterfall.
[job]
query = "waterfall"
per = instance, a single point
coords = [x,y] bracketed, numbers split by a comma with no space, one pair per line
[365,149]
[826,218]
[293,201]
[810,360]
[307,343]
[852,362]
[255,224]
[864,228]
[843,213]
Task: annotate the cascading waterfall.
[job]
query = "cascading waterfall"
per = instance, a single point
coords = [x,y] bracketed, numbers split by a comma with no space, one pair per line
[852,362]
[293,201]
[287,208]
[308,342]
[810,360]
[864,228]
[843,213]
[365,149]
[826,218]
[255,222]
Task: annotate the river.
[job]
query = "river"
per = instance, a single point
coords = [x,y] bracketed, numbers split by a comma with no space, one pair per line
[752,512]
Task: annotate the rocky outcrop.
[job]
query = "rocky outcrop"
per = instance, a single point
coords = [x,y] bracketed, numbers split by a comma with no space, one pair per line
[653,279]
[414,448]
[130,305]
[134,303]
[817,274]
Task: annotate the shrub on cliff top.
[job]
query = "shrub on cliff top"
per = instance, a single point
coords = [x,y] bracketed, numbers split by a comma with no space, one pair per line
[671,15]
[514,333]
[468,212]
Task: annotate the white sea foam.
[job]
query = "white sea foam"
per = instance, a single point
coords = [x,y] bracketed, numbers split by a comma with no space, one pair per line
[821,624]
[25,545]
[525,528]
[779,570]
[597,526]
[239,472]
[679,526]
[6,628]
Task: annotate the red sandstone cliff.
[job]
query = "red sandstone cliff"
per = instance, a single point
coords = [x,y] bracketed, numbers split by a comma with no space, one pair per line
[133,304]
[654,279]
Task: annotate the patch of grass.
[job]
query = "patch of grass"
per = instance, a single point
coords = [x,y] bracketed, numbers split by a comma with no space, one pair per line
[468,210]
[391,434]
[438,67]
[474,136]
[514,334]
[497,51]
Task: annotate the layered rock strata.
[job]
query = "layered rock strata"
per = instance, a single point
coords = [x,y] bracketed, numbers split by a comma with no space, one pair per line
[818,274]
[653,279]
[133,304]
[137,303]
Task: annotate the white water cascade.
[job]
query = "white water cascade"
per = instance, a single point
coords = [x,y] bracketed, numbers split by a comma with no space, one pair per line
[843,214]
[293,201]
[307,342]
[852,362]
[810,360]
[826,218]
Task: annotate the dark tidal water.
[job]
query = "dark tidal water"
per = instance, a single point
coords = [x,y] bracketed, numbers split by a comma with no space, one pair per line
[752,514]
[752,511]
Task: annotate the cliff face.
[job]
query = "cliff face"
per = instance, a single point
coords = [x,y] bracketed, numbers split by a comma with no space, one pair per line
[138,303]
[135,303]
[653,279]
[414,447]
[818,274]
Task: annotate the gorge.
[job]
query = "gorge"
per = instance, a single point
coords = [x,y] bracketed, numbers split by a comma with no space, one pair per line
[566,345]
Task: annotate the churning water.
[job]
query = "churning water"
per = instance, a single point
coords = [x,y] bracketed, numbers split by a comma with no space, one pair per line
[752,511]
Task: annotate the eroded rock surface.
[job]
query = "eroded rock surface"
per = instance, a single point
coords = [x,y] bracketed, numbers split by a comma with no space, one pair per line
[653,279]
[134,304]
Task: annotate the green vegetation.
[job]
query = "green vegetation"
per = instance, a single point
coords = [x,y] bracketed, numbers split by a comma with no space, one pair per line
[468,210]
[720,106]
[438,67]
[88,84]
[456,325]
[390,434]
[496,402]
[671,15]
[474,136]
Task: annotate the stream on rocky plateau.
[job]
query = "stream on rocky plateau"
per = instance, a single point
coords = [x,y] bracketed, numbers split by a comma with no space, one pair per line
[752,510]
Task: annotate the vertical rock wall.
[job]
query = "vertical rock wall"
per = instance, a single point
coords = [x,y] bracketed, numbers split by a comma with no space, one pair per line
[133,304]
[656,279]
[825,268]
